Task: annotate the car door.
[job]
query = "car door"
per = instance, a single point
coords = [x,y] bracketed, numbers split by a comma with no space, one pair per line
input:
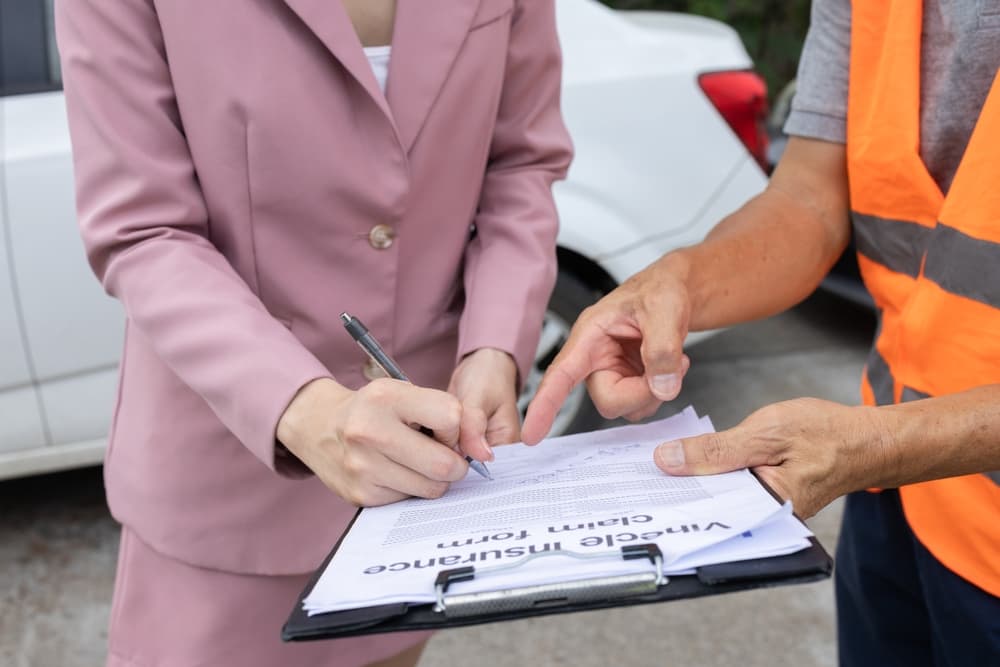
[20,418]
[21,426]
[72,329]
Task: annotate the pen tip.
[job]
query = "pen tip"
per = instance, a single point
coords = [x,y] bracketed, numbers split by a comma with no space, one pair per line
[479,467]
[345,318]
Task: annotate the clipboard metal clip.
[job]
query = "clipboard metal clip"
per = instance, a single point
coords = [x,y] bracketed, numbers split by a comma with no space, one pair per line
[550,595]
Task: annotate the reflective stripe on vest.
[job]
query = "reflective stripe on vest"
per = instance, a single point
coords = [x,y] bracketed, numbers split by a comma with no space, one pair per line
[878,375]
[897,245]
[932,265]
[904,246]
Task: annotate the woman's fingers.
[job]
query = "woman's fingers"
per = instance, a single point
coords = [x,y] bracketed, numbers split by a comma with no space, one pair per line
[486,384]
[504,427]
[473,439]
[436,410]
[418,452]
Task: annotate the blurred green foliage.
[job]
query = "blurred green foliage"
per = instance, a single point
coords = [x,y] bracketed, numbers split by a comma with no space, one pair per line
[772,30]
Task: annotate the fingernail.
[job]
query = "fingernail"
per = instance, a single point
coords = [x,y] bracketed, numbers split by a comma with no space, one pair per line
[665,387]
[672,454]
[486,444]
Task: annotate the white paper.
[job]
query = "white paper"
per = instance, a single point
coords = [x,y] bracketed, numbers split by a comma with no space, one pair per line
[589,493]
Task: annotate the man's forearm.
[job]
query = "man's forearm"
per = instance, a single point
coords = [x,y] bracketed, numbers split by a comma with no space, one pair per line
[939,437]
[772,252]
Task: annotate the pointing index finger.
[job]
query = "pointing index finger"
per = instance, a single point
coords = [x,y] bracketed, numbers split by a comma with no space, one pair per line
[570,367]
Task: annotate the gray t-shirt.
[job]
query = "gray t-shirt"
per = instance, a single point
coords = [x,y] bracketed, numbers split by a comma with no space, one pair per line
[959,58]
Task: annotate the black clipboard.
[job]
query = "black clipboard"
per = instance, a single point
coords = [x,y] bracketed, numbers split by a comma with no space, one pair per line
[809,565]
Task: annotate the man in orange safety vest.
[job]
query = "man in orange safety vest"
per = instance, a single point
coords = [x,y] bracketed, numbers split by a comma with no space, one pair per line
[895,130]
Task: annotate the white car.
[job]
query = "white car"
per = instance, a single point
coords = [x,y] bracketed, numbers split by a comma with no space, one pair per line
[668,124]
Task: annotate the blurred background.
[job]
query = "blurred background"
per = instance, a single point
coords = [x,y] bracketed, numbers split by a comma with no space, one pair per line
[771,30]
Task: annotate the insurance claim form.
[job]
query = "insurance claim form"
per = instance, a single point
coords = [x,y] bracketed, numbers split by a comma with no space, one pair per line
[588,493]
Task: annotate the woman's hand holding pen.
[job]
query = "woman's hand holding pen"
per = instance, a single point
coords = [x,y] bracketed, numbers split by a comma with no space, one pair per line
[486,383]
[362,443]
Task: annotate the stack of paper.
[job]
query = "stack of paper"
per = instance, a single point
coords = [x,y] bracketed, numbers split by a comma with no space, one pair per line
[589,493]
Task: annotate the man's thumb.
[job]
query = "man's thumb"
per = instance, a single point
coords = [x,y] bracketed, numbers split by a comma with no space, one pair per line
[665,380]
[701,455]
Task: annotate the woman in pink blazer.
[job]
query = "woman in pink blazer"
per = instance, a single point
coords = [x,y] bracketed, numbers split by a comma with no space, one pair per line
[241,180]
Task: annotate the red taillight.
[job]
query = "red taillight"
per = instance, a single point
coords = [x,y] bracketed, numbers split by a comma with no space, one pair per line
[741,99]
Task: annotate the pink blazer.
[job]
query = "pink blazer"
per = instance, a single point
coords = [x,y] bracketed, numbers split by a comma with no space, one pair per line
[241,180]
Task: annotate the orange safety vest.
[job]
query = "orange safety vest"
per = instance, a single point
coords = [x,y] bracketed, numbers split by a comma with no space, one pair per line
[932,264]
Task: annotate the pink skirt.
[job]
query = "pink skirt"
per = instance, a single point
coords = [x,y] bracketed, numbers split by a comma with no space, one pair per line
[166,613]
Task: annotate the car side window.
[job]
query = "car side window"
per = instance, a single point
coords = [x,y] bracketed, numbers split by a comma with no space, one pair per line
[29,62]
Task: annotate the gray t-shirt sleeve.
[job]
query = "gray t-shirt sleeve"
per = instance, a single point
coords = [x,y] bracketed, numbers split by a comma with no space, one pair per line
[819,108]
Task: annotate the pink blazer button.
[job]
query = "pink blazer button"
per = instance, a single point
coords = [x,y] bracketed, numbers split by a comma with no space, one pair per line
[381,236]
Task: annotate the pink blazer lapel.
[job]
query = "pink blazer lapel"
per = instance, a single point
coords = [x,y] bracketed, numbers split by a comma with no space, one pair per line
[328,20]
[426,40]
[427,37]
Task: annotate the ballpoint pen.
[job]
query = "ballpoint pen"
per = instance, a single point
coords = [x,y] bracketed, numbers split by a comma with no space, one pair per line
[359,332]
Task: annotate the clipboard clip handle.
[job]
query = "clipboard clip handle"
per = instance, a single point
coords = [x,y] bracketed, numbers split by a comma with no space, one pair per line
[550,595]
[650,551]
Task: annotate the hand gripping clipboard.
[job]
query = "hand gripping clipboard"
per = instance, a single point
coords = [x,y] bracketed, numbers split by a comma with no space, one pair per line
[456,610]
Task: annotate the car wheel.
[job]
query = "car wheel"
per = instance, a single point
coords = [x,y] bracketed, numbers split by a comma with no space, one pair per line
[568,300]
